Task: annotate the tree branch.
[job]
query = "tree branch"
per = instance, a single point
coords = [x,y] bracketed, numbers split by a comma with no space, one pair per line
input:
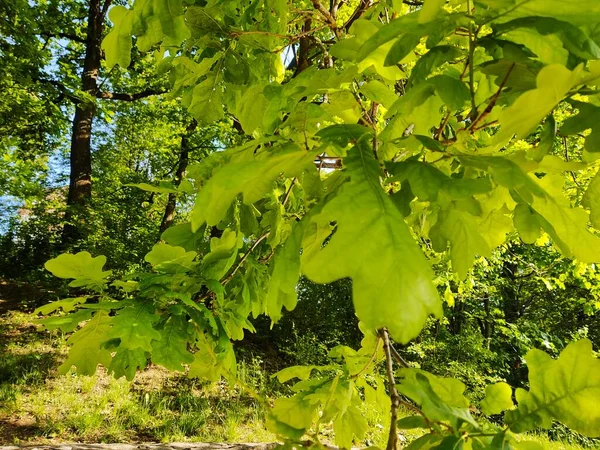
[325,13]
[358,12]
[61,87]
[107,4]
[128,97]
[398,357]
[392,443]
[69,36]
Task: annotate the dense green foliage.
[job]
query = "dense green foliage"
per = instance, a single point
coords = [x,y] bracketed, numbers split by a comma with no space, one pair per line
[436,162]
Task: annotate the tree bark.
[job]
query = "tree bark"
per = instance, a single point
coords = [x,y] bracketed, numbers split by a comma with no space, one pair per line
[182,164]
[80,179]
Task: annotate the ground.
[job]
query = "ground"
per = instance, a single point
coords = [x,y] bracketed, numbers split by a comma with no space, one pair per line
[38,406]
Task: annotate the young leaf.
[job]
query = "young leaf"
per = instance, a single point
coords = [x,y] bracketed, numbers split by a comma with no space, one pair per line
[591,200]
[566,389]
[170,350]
[372,245]
[87,349]
[118,42]
[86,270]
[460,229]
[285,275]
[498,398]
[167,258]
[553,83]
[252,178]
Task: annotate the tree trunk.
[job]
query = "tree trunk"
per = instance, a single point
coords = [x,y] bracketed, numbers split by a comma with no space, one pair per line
[182,164]
[80,180]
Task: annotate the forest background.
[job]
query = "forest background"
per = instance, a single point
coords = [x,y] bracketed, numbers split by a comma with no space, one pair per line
[115,189]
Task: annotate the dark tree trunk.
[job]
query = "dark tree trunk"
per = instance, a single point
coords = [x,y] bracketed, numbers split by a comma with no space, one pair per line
[184,156]
[80,180]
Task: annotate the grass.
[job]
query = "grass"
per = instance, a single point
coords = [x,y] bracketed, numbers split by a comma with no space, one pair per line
[37,406]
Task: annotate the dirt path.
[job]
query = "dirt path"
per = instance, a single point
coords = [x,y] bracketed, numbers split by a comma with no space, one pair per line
[174,446]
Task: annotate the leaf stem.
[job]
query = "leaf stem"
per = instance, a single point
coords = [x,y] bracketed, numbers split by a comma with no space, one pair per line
[473,113]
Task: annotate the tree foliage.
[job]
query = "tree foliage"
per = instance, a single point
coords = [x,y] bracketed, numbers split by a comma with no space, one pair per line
[400,134]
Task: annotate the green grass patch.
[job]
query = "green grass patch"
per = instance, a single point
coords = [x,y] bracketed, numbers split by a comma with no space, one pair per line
[37,406]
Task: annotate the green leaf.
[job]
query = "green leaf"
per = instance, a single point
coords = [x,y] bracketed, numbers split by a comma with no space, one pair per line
[527,222]
[498,398]
[521,118]
[441,399]
[460,229]
[452,91]
[349,424]
[163,188]
[222,255]
[430,9]
[391,278]
[67,305]
[587,117]
[567,226]
[546,140]
[127,362]
[427,182]
[343,134]
[118,42]
[213,359]
[181,235]
[592,142]
[253,179]
[167,258]
[87,349]
[591,200]
[66,323]
[301,372]
[401,48]
[566,389]
[378,92]
[86,270]
[579,13]
[291,416]
[431,60]
[134,327]
[412,422]
[170,14]
[573,38]
[285,274]
[170,350]
[207,101]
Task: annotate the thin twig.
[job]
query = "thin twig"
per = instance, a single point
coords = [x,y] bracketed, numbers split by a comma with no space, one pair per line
[493,100]
[227,279]
[443,125]
[471,67]
[392,443]
[398,357]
